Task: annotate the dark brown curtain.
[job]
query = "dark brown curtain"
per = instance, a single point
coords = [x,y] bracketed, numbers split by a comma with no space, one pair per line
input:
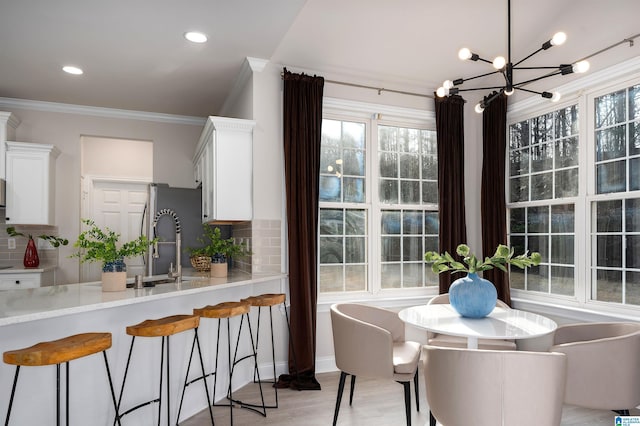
[450,129]
[493,207]
[302,106]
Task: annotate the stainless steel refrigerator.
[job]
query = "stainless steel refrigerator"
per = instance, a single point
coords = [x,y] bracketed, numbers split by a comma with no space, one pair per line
[186,204]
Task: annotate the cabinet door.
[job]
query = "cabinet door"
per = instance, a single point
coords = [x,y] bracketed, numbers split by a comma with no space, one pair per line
[27,189]
[19,281]
[233,179]
[207,186]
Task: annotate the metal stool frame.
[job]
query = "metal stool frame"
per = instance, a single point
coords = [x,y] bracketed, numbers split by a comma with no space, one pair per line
[196,341]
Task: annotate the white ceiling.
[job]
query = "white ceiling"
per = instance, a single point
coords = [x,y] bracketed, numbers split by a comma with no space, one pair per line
[134,55]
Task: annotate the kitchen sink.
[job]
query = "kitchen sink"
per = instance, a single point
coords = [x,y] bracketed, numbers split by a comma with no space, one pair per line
[154,281]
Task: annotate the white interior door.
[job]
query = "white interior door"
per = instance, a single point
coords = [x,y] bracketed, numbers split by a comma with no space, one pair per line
[118,205]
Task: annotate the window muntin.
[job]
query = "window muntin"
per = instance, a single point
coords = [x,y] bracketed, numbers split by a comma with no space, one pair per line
[404,164]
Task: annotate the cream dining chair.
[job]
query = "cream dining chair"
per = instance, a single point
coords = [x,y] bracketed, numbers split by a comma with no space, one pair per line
[443,340]
[490,388]
[370,342]
[603,364]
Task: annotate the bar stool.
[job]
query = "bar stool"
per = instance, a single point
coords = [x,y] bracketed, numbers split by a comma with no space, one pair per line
[165,327]
[57,352]
[270,300]
[228,310]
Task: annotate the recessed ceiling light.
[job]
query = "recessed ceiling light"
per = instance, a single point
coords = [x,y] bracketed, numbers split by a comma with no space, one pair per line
[72,70]
[195,37]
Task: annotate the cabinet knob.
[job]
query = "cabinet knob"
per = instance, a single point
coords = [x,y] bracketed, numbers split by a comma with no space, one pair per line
[17,281]
[7,218]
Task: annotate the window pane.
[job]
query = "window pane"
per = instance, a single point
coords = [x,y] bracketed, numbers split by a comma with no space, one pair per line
[562,249]
[331,250]
[391,276]
[566,183]
[539,244]
[356,277]
[328,159]
[542,186]
[410,166]
[412,275]
[353,134]
[430,167]
[353,162]
[408,140]
[354,190]
[329,188]
[634,102]
[412,249]
[330,221]
[610,109]
[567,121]
[330,278]
[634,138]
[611,143]
[632,288]
[388,164]
[609,249]
[519,135]
[431,244]
[431,223]
[387,138]
[331,133]
[562,281]
[542,128]
[632,211]
[610,177]
[519,189]
[430,192]
[518,245]
[516,278]
[634,174]
[541,157]
[562,218]
[609,286]
[355,250]
[519,162]
[390,249]
[538,278]
[410,192]
[538,219]
[355,222]
[633,251]
[412,222]
[566,154]
[609,216]
[388,191]
[516,221]
[390,221]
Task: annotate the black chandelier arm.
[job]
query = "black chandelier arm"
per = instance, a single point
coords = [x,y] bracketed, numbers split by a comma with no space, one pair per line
[530,91]
[462,80]
[481,88]
[527,57]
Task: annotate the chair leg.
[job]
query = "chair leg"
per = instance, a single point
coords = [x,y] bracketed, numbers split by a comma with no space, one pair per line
[13,392]
[343,377]
[407,400]
[417,390]
[432,420]
[353,386]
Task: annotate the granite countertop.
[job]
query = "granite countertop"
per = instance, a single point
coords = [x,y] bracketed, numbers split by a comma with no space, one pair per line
[46,302]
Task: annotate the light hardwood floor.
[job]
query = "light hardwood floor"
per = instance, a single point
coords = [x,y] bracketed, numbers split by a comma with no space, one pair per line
[375,403]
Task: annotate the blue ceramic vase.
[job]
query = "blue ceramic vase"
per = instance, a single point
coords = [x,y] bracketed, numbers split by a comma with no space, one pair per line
[472,296]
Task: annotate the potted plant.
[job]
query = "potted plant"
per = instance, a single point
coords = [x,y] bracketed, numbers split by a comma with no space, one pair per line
[31,259]
[473,296]
[219,250]
[98,245]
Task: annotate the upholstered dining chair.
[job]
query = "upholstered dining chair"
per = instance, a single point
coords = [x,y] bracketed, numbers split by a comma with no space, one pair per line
[443,340]
[489,388]
[370,342]
[603,364]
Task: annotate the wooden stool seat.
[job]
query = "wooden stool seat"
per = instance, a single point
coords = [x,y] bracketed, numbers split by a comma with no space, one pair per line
[59,351]
[268,299]
[164,326]
[223,310]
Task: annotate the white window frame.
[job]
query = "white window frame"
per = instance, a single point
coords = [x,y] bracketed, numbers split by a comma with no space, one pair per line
[583,93]
[373,115]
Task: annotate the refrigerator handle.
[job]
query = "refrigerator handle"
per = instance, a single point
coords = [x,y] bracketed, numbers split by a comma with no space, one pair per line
[144,215]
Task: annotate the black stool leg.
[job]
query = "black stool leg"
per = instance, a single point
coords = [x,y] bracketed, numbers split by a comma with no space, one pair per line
[353,386]
[13,392]
[67,391]
[126,370]
[113,394]
[230,370]
[57,394]
[160,389]
[417,388]
[168,386]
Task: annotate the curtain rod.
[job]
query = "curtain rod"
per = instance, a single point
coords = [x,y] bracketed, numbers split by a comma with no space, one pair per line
[629,40]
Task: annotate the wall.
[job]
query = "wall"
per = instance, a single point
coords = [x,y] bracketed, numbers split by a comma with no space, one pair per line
[116,157]
[174,142]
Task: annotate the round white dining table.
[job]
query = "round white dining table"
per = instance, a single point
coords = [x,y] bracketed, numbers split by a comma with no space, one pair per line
[501,323]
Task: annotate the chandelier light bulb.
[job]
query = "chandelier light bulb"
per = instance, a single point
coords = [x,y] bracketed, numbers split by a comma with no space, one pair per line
[464,54]
[448,84]
[556,97]
[479,108]
[509,92]
[441,92]
[558,38]
[581,67]
[499,62]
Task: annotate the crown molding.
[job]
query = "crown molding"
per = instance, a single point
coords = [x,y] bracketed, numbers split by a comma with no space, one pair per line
[27,104]
[576,87]
[249,67]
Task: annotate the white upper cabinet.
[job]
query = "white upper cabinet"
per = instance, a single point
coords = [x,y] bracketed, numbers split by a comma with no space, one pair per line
[30,169]
[223,164]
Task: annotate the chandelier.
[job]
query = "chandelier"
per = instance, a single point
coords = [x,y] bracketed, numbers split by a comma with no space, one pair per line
[506,68]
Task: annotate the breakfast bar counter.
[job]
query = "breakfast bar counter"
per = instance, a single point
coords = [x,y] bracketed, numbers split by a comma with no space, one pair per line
[35,315]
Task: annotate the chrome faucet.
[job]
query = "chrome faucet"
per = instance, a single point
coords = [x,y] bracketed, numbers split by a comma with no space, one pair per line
[177,272]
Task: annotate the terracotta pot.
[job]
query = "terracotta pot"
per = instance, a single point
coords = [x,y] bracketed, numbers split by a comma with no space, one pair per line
[219,270]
